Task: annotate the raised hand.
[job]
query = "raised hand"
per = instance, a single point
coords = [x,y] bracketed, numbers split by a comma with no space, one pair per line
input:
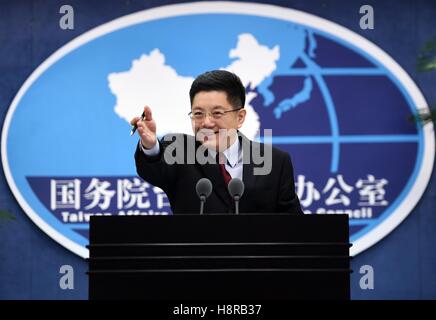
[146,128]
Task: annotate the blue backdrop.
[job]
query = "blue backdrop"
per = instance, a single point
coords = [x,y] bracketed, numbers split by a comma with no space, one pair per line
[404,262]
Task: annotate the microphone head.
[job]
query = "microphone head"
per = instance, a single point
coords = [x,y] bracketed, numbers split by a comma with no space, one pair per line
[236,187]
[203,187]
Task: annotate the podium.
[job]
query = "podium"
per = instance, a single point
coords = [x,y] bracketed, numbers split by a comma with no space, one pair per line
[219,257]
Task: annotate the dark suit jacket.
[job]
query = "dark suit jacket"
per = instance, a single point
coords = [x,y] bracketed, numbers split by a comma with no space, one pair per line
[272,193]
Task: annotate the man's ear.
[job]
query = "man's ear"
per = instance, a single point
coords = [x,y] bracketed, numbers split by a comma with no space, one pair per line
[241,117]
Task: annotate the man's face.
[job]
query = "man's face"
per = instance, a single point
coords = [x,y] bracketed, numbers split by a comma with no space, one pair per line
[217,134]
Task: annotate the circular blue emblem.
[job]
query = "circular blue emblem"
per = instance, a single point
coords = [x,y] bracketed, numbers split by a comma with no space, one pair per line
[335,101]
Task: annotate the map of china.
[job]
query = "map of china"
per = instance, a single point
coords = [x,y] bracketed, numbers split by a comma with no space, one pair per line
[151,82]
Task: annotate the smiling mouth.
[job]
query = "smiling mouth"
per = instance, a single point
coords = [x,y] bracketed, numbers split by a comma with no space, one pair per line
[209,136]
[206,135]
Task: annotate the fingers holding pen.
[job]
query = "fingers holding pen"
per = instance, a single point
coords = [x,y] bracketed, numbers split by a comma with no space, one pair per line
[148,120]
[147,114]
[145,117]
[146,128]
[135,120]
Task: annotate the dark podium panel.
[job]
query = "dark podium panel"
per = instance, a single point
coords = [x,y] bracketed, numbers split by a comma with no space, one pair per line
[210,257]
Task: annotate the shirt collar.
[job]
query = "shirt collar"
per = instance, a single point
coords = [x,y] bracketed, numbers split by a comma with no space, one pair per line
[232,153]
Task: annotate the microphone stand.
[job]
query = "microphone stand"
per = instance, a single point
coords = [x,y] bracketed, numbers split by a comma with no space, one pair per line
[202,201]
[236,204]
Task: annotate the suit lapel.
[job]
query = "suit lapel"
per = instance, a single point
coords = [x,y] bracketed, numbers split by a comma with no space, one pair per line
[247,172]
[248,177]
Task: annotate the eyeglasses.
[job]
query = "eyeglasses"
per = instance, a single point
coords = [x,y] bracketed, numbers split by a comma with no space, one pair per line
[218,114]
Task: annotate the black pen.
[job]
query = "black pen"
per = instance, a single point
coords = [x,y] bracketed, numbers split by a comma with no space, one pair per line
[134,127]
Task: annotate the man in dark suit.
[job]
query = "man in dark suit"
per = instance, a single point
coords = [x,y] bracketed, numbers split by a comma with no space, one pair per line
[218,152]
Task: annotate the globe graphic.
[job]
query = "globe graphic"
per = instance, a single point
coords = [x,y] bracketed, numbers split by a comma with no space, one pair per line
[339,112]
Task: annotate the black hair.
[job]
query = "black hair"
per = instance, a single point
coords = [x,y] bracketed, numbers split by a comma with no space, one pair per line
[220,80]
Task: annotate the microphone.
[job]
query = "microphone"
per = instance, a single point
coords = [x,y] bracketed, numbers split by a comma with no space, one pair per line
[204,189]
[236,190]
